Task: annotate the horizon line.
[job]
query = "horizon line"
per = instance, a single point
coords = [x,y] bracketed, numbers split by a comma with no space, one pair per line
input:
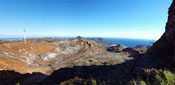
[29,37]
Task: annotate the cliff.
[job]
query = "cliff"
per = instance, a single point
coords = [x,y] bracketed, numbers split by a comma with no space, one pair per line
[164,48]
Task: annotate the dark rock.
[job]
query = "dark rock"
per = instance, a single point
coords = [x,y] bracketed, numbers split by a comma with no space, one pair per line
[134,50]
[143,46]
[117,48]
[15,78]
[164,48]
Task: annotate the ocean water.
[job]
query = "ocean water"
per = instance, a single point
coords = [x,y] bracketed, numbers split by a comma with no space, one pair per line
[11,39]
[130,42]
[124,41]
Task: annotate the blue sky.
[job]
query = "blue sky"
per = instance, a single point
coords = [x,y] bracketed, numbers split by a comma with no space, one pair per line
[91,18]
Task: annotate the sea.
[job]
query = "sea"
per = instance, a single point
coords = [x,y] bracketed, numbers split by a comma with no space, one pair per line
[130,42]
[124,41]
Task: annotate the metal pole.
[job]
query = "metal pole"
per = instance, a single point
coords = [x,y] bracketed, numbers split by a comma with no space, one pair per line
[24,36]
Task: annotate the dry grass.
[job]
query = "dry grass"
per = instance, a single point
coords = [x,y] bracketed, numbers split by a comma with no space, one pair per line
[12,64]
[19,48]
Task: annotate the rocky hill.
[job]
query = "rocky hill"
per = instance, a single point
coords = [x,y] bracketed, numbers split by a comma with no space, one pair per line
[36,54]
[102,41]
[48,55]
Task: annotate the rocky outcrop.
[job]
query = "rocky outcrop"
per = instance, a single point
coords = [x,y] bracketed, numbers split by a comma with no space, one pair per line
[102,41]
[146,47]
[117,48]
[134,50]
[164,48]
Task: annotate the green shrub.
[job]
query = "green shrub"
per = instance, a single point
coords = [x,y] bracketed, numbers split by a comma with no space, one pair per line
[170,77]
[93,82]
[17,84]
[85,57]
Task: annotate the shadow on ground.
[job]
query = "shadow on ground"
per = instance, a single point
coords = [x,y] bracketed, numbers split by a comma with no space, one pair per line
[106,74]
[12,78]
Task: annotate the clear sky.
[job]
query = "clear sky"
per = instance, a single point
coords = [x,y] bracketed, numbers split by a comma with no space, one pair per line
[91,18]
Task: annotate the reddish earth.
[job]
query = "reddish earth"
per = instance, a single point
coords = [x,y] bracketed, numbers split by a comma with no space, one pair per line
[12,64]
[19,48]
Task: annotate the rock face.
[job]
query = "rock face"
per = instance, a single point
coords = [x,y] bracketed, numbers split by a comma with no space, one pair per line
[164,48]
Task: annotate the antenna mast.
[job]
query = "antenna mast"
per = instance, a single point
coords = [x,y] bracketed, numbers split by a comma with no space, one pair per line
[24,35]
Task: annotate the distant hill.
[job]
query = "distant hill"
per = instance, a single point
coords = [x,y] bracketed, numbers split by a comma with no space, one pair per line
[102,41]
